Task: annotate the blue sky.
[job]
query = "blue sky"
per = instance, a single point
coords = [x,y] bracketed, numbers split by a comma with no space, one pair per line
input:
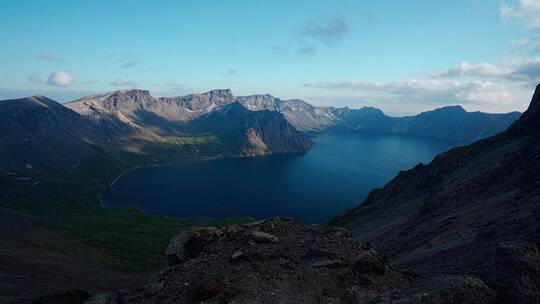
[401,56]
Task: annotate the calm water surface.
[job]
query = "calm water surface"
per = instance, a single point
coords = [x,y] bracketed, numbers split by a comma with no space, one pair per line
[335,175]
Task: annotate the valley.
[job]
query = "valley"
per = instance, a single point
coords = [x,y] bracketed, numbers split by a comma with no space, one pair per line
[59,159]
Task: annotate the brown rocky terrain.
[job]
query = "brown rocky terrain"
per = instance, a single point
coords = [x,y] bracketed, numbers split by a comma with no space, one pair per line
[238,130]
[472,210]
[281,261]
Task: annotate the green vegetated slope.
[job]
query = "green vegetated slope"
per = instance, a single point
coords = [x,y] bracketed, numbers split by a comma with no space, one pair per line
[68,204]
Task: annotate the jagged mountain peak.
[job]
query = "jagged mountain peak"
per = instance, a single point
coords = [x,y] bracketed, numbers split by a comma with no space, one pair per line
[529,122]
[132,92]
[36,101]
[453,108]
[220,93]
[371,110]
[457,109]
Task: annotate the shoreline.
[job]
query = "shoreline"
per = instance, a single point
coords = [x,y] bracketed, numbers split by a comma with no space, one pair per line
[183,162]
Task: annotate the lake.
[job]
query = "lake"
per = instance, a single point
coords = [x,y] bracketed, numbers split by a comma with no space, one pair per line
[337,174]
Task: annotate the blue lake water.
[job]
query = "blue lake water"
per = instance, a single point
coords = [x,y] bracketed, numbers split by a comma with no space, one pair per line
[337,174]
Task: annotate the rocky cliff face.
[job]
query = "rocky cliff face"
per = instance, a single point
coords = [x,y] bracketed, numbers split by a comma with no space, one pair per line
[202,102]
[241,132]
[473,210]
[251,133]
[302,115]
[281,261]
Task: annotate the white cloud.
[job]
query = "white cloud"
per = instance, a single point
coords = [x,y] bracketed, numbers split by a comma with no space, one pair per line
[119,82]
[526,11]
[427,91]
[60,79]
[474,70]
[524,71]
[529,44]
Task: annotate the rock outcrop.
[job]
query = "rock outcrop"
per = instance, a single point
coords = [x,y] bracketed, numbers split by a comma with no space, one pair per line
[459,213]
[281,261]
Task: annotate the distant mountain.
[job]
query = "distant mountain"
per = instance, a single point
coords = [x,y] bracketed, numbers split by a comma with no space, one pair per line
[472,210]
[133,111]
[169,115]
[451,122]
[302,115]
[238,130]
[251,133]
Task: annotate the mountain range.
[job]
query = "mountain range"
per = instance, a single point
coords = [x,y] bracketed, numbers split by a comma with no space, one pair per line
[41,133]
[171,114]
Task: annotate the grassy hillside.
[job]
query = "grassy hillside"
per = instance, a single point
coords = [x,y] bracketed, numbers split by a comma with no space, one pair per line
[68,204]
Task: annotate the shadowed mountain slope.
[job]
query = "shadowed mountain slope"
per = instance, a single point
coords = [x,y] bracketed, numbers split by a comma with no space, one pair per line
[37,132]
[251,133]
[451,122]
[474,209]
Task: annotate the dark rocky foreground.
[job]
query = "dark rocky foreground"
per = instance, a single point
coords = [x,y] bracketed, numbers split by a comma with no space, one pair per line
[281,261]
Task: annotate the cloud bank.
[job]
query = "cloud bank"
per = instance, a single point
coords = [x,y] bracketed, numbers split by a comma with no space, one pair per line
[523,71]
[426,91]
[525,11]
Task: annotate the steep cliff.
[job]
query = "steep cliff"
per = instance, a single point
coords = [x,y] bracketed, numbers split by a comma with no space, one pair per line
[251,133]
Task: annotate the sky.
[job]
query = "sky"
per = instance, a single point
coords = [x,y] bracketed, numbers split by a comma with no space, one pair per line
[403,57]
